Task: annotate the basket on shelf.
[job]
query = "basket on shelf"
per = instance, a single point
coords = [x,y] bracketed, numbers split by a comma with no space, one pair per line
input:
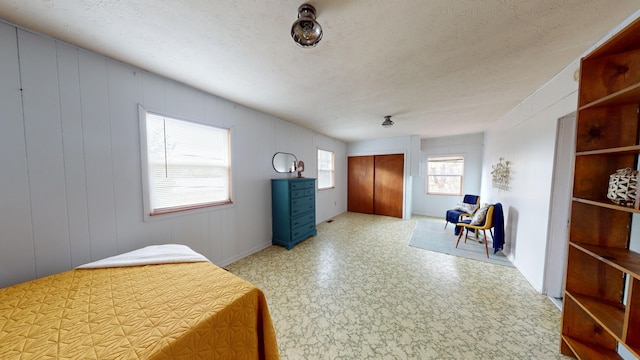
[623,187]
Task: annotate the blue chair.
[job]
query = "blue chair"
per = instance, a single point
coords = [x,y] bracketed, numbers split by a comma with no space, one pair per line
[470,203]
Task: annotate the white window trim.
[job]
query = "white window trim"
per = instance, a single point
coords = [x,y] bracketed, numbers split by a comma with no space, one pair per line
[426,182]
[333,170]
[146,192]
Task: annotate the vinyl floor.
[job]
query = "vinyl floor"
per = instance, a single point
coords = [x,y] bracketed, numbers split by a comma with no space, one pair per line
[357,290]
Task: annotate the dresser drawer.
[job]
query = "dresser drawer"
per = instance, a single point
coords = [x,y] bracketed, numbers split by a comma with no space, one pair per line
[298,193]
[300,205]
[296,185]
[302,193]
[302,220]
[303,232]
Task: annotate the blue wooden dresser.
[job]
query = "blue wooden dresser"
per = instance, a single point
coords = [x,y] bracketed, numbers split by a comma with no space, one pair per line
[293,210]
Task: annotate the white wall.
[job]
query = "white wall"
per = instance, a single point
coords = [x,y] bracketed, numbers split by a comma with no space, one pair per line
[527,137]
[70,177]
[406,145]
[470,146]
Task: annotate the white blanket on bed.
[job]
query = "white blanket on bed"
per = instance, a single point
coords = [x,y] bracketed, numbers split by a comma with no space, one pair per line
[155,254]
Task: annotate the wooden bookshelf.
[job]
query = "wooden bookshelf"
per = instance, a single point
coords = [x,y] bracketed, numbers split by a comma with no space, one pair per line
[601,307]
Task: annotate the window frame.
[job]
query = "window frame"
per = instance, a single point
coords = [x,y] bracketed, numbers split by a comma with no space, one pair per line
[149,213]
[333,169]
[444,158]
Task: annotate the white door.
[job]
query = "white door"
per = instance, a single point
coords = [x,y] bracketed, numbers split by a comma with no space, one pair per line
[562,188]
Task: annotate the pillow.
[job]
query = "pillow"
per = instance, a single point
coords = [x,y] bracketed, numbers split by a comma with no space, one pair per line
[478,218]
[471,208]
[467,208]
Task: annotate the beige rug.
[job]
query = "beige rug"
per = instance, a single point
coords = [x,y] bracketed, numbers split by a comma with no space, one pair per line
[431,235]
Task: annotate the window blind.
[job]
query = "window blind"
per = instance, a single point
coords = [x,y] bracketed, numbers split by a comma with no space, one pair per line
[188,164]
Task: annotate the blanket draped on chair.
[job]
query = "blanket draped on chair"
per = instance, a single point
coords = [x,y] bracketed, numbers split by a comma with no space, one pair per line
[498,228]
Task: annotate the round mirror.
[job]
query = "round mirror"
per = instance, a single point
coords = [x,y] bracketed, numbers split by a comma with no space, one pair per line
[284,162]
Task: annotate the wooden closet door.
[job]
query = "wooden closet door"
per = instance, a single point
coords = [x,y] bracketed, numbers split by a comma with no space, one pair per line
[389,182]
[360,184]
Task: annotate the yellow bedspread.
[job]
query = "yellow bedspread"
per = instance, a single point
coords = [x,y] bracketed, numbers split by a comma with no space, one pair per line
[170,311]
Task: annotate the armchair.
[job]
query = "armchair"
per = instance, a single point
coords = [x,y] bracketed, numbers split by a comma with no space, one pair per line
[468,206]
[483,220]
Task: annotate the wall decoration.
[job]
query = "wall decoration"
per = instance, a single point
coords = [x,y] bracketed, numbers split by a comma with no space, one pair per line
[500,174]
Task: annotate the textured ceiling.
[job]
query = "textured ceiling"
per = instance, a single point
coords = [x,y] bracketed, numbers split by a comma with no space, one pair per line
[440,67]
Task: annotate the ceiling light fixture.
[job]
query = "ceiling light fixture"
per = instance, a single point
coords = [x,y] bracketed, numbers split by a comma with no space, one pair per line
[387,121]
[306,31]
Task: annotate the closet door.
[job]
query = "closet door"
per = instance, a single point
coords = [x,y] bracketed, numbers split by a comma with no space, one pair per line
[360,184]
[388,185]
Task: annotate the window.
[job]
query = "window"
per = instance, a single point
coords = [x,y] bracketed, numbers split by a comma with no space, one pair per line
[444,175]
[187,164]
[325,169]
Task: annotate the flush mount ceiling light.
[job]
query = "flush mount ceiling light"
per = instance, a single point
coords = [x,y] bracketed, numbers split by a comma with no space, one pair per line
[387,121]
[305,31]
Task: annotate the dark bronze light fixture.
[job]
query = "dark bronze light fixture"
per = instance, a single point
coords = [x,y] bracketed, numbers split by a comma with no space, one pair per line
[387,121]
[306,31]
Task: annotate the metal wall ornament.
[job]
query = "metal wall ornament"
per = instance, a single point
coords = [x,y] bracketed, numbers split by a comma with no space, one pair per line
[501,174]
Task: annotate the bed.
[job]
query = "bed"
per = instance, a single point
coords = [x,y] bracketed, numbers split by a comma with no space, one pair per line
[137,307]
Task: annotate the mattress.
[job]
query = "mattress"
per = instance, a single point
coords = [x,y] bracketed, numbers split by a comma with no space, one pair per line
[192,310]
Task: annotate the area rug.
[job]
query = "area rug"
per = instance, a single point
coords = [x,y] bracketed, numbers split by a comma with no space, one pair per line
[431,235]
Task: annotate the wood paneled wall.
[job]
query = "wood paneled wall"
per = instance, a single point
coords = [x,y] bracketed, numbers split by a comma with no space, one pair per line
[70,177]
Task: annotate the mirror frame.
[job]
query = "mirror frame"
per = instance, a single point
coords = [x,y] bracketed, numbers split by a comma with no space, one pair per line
[288,159]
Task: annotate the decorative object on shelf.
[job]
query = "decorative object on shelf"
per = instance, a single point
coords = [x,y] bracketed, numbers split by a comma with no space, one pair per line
[500,174]
[300,168]
[623,187]
[387,122]
[306,31]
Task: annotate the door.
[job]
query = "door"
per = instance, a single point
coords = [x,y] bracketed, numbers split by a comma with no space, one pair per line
[376,184]
[388,185]
[560,203]
[360,184]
